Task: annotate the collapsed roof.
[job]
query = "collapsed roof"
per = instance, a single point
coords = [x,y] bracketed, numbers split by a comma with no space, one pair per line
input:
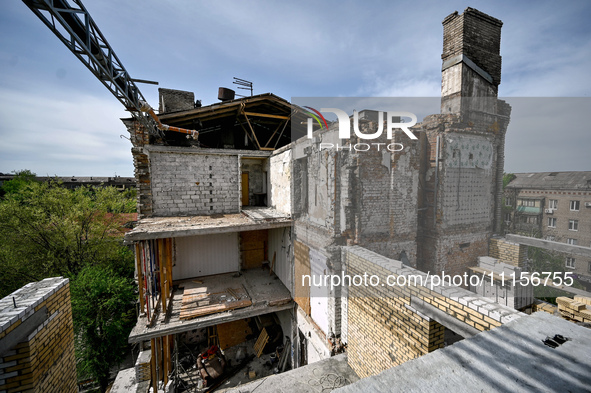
[260,122]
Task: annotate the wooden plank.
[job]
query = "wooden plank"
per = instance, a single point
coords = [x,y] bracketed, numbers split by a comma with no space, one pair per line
[155,313]
[207,303]
[252,240]
[583,299]
[153,361]
[195,290]
[166,283]
[253,248]
[165,359]
[233,333]
[244,179]
[280,135]
[190,298]
[162,266]
[207,310]
[253,258]
[252,130]
[279,302]
[232,292]
[196,305]
[212,336]
[275,132]
[140,276]
[302,267]
[259,345]
[158,359]
[244,129]
[169,259]
[266,115]
[272,267]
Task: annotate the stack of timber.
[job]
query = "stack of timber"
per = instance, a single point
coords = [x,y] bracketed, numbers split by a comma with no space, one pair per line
[577,309]
[198,301]
[540,305]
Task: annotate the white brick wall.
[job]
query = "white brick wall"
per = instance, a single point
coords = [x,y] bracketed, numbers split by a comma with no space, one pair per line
[194,183]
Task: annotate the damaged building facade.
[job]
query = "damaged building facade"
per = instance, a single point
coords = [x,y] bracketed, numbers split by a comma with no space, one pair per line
[231,222]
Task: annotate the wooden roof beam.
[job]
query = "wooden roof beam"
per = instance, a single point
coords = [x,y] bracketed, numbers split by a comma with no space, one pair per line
[266,115]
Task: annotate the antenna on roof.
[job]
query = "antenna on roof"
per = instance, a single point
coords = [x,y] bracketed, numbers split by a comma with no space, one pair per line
[243,84]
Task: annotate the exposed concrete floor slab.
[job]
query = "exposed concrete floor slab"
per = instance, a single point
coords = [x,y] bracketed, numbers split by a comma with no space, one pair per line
[252,218]
[510,358]
[126,383]
[267,293]
[262,213]
[322,376]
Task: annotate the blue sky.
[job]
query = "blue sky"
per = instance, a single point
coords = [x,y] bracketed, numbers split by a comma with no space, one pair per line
[57,119]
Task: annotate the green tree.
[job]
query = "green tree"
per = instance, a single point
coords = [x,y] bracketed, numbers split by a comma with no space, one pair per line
[18,182]
[543,261]
[101,300]
[507,178]
[47,230]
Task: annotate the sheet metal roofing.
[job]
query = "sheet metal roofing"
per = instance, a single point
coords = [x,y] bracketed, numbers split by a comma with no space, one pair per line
[553,180]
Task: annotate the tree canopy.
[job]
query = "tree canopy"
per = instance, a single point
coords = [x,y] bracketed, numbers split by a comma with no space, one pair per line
[47,230]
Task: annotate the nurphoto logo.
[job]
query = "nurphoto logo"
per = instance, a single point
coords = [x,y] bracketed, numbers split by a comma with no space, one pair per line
[393,122]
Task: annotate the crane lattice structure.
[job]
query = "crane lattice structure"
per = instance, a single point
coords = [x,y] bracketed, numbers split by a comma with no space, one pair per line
[72,24]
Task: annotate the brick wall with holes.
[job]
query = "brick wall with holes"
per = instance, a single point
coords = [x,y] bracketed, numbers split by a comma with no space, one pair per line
[383,330]
[43,360]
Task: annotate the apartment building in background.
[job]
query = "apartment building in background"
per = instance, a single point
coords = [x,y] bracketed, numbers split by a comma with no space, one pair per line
[553,206]
[72,182]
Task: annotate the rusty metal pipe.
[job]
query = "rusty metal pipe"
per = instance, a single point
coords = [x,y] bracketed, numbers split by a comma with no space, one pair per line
[145,107]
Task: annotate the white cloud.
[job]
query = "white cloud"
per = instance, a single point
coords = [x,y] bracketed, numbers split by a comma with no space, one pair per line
[77,136]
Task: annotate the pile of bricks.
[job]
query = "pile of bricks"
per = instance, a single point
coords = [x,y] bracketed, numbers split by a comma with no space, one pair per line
[577,309]
[507,252]
[142,366]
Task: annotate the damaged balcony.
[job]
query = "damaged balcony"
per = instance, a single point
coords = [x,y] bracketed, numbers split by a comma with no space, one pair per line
[185,262]
[208,282]
[212,300]
[251,217]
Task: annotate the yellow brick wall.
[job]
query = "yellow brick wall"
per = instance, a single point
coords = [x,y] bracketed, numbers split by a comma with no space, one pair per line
[383,331]
[44,361]
[511,253]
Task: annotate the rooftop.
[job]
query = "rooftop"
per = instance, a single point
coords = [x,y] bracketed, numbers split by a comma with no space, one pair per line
[21,303]
[320,376]
[510,358]
[264,118]
[553,180]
